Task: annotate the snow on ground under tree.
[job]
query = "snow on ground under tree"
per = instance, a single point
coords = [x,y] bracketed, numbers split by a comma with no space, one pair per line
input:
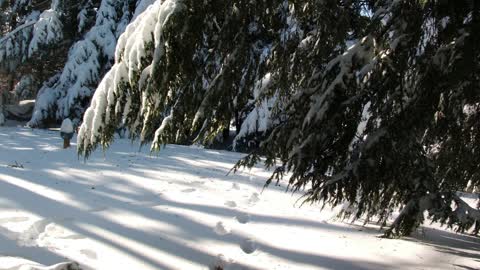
[178,210]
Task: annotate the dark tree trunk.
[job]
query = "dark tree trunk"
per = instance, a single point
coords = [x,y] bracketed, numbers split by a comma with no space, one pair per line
[226,133]
[66,143]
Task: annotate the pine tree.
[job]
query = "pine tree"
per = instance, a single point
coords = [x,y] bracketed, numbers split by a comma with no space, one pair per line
[370,103]
[26,31]
[31,44]
[69,91]
[65,45]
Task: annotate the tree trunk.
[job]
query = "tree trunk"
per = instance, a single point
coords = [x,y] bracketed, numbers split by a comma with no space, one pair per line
[226,133]
[238,124]
[1,100]
[66,143]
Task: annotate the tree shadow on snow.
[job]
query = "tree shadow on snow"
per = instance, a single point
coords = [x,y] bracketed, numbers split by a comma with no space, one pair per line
[84,217]
[449,242]
[89,224]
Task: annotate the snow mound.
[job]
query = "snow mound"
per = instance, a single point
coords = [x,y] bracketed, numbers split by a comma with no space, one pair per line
[67,126]
[87,60]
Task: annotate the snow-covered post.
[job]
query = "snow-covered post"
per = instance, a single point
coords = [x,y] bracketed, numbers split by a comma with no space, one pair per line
[66,132]
[2,117]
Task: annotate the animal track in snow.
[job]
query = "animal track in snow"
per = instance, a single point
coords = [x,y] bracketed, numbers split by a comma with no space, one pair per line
[188,190]
[231,204]
[236,186]
[221,229]
[248,245]
[243,218]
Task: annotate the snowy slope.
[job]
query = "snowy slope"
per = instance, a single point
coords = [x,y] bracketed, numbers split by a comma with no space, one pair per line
[179,210]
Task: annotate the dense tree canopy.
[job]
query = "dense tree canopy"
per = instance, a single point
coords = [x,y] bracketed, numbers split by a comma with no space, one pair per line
[62,48]
[371,103]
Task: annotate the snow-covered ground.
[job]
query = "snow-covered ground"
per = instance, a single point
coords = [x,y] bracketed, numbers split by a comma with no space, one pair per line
[126,209]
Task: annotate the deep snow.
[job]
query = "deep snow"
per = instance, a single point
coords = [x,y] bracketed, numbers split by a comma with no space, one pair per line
[126,209]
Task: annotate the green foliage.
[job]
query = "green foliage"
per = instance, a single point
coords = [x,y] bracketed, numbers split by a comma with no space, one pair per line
[375,103]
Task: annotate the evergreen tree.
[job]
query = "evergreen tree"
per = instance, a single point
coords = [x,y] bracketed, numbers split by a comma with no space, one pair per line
[69,46]
[26,28]
[26,31]
[371,103]
[68,92]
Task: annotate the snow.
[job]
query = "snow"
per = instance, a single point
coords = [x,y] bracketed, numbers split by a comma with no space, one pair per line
[362,126]
[35,31]
[471,109]
[179,210]
[47,30]
[67,126]
[260,118]
[82,18]
[87,60]
[24,88]
[129,56]
[142,5]
[362,51]
[14,44]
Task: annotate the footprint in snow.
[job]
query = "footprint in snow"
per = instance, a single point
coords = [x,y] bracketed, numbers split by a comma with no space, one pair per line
[221,229]
[89,254]
[198,182]
[235,186]
[231,204]
[248,245]
[254,198]
[56,231]
[32,234]
[188,190]
[243,218]
[44,229]
[220,262]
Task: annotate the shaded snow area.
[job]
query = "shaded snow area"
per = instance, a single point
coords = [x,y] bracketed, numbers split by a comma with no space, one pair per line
[178,210]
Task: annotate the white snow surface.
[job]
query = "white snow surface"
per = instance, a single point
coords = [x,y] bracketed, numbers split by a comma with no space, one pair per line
[126,209]
[66,126]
